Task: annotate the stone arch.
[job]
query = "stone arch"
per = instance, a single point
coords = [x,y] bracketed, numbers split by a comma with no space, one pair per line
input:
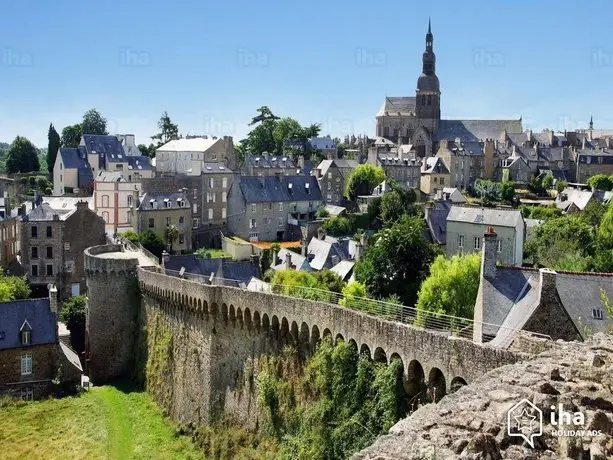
[232,314]
[380,356]
[365,350]
[284,332]
[199,304]
[353,345]
[247,318]
[327,335]
[437,387]
[265,322]
[315,337]
[214,309]
[224,313]
[274,327]
[294,334]
[205,307]
[339,337]
[456,384]
[416,385]
[256,321]
[303,339]
[239,317]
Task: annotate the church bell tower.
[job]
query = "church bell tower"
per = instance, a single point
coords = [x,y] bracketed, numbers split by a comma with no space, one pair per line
[428,93]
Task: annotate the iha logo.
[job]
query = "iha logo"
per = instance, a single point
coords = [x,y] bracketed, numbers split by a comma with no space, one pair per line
[525,420]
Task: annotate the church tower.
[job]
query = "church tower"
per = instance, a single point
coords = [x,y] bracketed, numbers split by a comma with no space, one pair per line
[428,94]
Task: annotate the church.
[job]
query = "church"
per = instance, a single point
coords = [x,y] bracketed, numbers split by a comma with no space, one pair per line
[417,120]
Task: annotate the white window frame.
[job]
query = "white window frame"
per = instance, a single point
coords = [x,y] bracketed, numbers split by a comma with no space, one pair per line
[224,182]
[279,221]
[254,207]
[210,214]
[252,223]
[224,213]
[477,243]
[461,241]
[195,222]
[499,245]
[280,206]
[26,364]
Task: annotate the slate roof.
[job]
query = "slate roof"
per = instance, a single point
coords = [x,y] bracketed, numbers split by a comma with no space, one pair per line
[212,168]
[148,199]
[580,198]
[344,269]
[485,216]
[109,148]
[344,165]
[323,251]
[38,314]
[405,105]
[271,161]
[197,144]
[594,155]
[67,204]
[139,163]
[335,210]
[435,165]
[298,261]
[475,130]
[322,143]
[43,212]
[264,189]
[76,158]
[240,271]
[437,221]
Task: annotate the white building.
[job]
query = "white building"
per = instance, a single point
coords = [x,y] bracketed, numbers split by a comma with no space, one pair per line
[188,155]
[115,201]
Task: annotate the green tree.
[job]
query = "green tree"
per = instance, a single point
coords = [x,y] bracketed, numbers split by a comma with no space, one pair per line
[451,288]
[605,229]
[13,287]
[22,156]
[323,285]
[337,226]
[601,182]
[322,212]
[168,130]
[363,180]
[393,207]
[152,242]
[72,313]
[71,135]
[547,181]
[93,123]
[397,262]
[52,148]
[561,185]
[593,213]
[148,151]
[171,233]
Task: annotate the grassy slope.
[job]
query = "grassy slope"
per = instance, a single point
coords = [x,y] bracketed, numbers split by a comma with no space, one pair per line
[103,423]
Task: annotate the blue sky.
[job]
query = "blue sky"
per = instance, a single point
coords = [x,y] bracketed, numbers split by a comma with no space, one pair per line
[212,64]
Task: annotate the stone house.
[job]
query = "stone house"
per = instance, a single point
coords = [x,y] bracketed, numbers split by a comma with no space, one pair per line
[158,211]
[10,236]
[272,165]
[76,168]
[516,169]
[561,305]
[52,245]
[326,145]
[466,225]
[30,351]
[270,208]
[332,176]
[435,176]
[465,161]
[188,155]
[400,164]
[114,200]
[589,163]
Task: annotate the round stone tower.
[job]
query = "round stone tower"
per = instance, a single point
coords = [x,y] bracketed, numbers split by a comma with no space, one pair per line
[112,310]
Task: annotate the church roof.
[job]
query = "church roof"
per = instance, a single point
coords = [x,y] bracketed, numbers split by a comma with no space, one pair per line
[475,130]
[393,105]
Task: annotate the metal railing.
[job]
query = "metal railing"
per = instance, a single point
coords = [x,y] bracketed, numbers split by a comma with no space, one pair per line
[137,247]
[432,321]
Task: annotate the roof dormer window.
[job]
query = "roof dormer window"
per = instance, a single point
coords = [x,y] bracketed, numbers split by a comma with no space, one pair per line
[25,333]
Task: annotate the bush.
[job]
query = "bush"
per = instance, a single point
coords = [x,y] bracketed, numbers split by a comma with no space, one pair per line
[337,226]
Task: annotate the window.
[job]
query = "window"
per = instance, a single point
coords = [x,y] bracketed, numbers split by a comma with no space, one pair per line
[151,222]
[69,266]
[181,221]
[251,223]
[66,246]
[499,243]
[105,201]
[253,207]
[329,197]
[224,197]
[280,221]
[195,223]
[181,239]
[105,216]
[460,241]
[49,270]
[26,335]
[329,185]
[224,182]
[34,270]
[253,235]
[210,197]
[49,252]
[129,200]
[34,251]
[434,180]
[49,231]
[280,206]
[168,221]
[27,394]
[210,213]
[329,175]
[211,182]
[195,193]
[477,243]
[597,313]
[195,208]
[442,181]
[26,364]
[224,213]
[34,232]
[429,99]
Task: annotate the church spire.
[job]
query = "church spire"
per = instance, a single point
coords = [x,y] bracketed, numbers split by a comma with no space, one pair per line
[591,122]
[429,24]
[429,59]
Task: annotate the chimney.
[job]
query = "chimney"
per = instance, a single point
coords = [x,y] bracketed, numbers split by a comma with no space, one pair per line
[321,233]
[165,258]
[490,247]
[255,259]
[547,284]
[427,211]
[53,299]
[288,260]
[335,260]
[301,162]
[303,247]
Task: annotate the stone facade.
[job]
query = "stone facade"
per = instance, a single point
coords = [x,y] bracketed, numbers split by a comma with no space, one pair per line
[158,211]
[34,385]
[10,240]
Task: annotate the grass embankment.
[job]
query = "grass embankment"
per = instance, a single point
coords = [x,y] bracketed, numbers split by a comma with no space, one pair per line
[104,423]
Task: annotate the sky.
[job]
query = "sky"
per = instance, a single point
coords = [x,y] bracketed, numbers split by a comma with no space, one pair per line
[211,64]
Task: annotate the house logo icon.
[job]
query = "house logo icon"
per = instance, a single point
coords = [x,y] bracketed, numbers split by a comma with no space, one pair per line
[525,420]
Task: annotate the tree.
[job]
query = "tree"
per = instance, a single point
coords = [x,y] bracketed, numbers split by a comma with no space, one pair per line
[152,242]
[451,288]
[22,156]
[148,151]
[363,180]
[265,114]
[93,123]
[397,262]
[547,181]
[494,192]
[52,147]
[593,213]
[323,285]
[71,135]
[561,185]
[605,229]
[169,130]
[13,287]
[601,182]
[322,212]
[73,313]
[171,233]
[337,226]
